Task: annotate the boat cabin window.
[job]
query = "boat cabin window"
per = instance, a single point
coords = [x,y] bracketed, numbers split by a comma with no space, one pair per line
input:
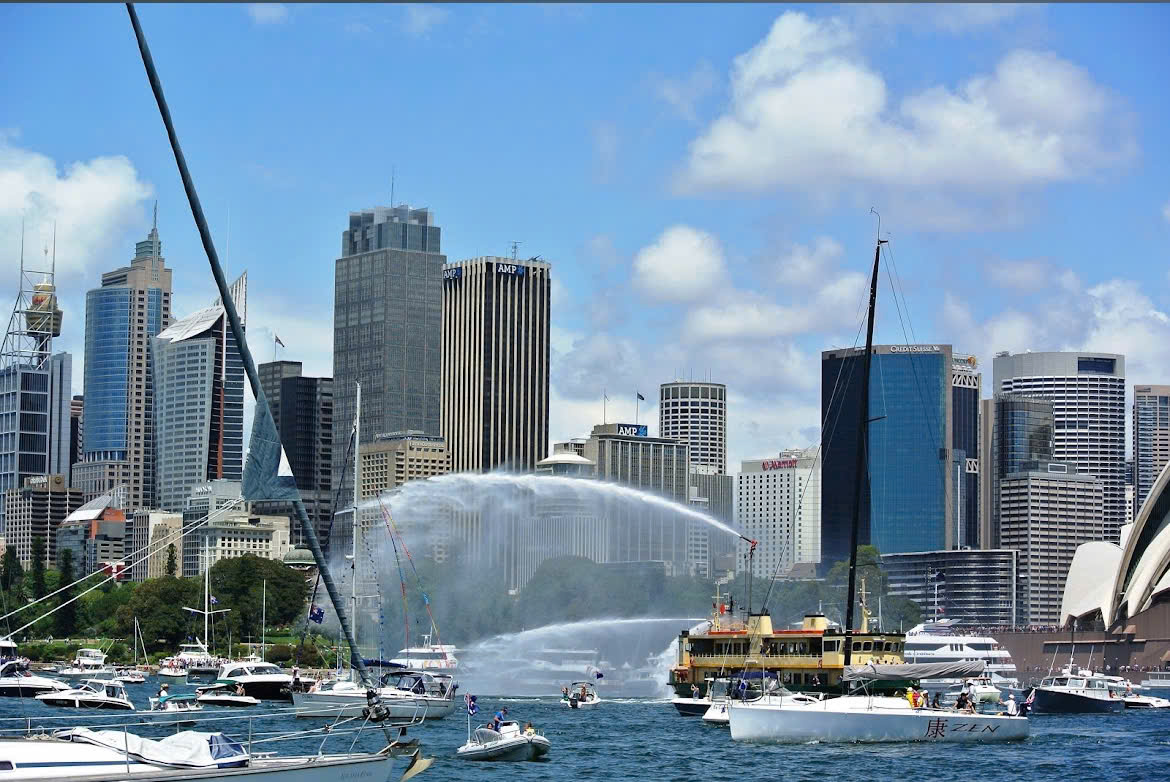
[867,646]
[832,646]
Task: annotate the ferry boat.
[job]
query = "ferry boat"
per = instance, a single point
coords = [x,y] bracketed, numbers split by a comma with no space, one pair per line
[810,659]
[1157,680]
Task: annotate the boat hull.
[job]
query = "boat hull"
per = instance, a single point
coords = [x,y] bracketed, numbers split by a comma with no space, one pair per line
[691,707]
[1055,702]
[81,703]
[717,714]
[518,748]
[15,690]
[883,720]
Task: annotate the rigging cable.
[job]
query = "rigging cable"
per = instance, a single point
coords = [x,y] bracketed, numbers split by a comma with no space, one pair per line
[418,580]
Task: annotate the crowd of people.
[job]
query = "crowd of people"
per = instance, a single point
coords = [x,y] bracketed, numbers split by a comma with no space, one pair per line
[966,702]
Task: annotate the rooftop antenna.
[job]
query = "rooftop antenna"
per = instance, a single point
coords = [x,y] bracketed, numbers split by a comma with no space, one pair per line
[392,204]
[515,247]
[53,268]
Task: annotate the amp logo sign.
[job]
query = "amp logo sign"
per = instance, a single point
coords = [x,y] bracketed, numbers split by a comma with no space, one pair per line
[632,430]
[514,269]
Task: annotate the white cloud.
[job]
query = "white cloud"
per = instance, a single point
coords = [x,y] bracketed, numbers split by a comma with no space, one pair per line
[684,264]
[93,203]
[684,95]
[422,18]
[944,17]
[605,150]
[804,265]
[1166,212]
[807,113]
[268,13]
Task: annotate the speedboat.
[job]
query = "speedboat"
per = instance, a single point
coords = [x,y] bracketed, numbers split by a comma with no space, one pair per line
[17,683]
[173,703]
[261,680]
[1131,695]
[717,714]
[580,695]
[1075,691]
[172,668]
[88,664]
[405,694]
[92,694]
[129,675]
[865,717]
[223,694]
[508,743]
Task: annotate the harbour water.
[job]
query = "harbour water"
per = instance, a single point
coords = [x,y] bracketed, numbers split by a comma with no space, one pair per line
[642,738]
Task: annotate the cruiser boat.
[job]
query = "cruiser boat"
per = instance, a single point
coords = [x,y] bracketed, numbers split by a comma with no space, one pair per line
[405,694]
[172,668]
[580,695]
[88,664]
[93,694]
[428,657]
[175,703]
[20,684]
[867,717]
[129,675]
[1075,691]
[265,681]
[508,743]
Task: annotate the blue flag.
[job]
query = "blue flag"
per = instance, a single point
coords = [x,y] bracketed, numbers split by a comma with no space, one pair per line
[599,675]
[641,398]
[214,601]
[317,614]
[472,707]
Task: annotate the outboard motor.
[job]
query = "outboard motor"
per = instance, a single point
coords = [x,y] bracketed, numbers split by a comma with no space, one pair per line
[375,711]
[572,701]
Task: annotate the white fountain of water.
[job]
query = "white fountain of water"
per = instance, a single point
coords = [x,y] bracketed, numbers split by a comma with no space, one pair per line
[538,662]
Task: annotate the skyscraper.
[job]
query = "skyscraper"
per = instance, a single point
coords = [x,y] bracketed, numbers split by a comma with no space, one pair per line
[387,313]
[302,409]
[1021,433]
[965,382]
[76,428]
[495,363]
[907,504]
[1151,439]
[131,307]
[778,503]
[198,401]
[1088,401]
[34,385]
[696,414]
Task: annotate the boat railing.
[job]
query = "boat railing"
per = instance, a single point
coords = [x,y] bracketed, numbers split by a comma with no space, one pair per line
[736,660]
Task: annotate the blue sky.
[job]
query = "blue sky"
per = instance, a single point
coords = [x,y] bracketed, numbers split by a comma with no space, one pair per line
[700,176]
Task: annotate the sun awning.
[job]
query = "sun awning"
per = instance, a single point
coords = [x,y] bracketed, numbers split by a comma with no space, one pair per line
[885,673]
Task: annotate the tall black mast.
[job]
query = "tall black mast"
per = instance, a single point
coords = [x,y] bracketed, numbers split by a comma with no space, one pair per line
[862,453]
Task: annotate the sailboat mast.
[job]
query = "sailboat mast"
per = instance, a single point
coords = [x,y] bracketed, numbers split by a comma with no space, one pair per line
[357,468]
[263,616]
[862,455]
[207,599]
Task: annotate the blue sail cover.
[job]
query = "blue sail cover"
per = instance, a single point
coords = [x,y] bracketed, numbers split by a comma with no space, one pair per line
[267,475]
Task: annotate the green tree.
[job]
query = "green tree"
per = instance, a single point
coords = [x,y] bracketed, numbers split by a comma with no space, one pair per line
[11,573]
[38,568]
[158,604]
[238,584]
[65,619]
[172,562]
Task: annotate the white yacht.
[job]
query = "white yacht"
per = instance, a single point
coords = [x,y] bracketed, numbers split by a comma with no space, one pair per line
[405,694]
[428,657]
[20,684]
[1076,690]
[945,642]
[1156,680]
[260,680]
[92,694]
[87,664]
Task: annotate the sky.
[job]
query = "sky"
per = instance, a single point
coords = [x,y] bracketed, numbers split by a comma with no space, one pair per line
[700,177]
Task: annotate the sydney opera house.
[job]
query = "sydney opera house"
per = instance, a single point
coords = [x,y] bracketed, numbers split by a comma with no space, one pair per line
[1119,585]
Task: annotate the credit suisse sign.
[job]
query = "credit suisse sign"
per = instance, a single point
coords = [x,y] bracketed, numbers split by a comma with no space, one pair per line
[913,348]
[778,464]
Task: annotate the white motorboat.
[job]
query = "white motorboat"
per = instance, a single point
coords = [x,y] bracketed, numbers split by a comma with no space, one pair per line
[717,714]
[172,668]
[92,694]
[265,681]
[175,703]
[508,743]
[80,753]
[223,694]
[129,675]
[872,718]
[580,695]
[405,694]
[428,657]
[21,684]
[1132,695]
[1156,680]
[88,664]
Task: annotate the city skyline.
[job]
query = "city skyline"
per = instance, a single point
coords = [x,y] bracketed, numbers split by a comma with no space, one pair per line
[680,290]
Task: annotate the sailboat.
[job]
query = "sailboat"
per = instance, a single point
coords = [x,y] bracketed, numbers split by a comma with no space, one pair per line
[861,715]
[134,674]
[82,753]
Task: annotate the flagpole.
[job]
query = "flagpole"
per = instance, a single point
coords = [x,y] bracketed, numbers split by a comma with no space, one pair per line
[637,406]
[604,399]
